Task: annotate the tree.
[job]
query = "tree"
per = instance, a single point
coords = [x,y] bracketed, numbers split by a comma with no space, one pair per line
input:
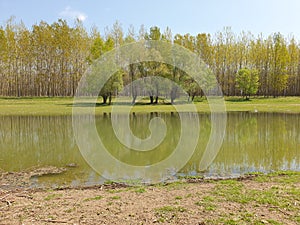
[115,83]
[49,60]
[97,48]
[154,67]
[278,76]
[294,76]
[112,87]
[204,48]
[191,87]
[3,63]
[116,34]
[177,75]
[247,82]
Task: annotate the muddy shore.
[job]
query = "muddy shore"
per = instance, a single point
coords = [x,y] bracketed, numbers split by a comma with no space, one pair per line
[253,199]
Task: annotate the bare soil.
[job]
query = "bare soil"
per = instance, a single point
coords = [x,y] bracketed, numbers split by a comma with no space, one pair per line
[190,201]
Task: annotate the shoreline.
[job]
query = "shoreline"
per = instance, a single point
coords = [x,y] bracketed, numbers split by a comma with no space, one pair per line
[258,199]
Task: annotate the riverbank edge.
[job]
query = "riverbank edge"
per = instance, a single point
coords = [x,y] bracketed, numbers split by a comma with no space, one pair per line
[255,198]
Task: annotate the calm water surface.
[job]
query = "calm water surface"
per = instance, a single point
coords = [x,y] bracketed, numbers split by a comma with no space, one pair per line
[253,142]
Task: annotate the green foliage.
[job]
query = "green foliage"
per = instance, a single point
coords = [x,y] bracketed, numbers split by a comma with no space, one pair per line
[247,81]
[97,48]
[49,60]
[278,76]
[155,34]
[113,84]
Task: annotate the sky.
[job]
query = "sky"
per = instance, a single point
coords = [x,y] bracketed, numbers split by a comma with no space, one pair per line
[182,16]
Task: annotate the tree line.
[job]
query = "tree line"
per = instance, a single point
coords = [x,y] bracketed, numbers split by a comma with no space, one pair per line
[49,59]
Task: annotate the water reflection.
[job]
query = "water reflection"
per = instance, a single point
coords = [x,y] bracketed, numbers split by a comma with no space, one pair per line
[253,142]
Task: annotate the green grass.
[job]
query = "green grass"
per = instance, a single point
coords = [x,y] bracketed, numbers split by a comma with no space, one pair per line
[98,197]
[140,190]
[63,106]
[168,208]
[281,195]
[207,202]
[279,177]
[52,196]
[178,198]
[260,104]
[168,213]
[207,206]
[277,193]
[274,196]
[116,197]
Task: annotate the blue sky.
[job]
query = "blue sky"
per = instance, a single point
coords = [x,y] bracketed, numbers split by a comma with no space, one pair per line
[184,16]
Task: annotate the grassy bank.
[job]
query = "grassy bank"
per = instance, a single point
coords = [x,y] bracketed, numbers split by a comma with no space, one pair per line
[258,199]
[63,106]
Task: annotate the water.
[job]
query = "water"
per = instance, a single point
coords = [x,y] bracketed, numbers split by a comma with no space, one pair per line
[253,142]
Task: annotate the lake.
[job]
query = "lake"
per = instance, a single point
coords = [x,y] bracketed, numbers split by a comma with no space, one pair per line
[261,142]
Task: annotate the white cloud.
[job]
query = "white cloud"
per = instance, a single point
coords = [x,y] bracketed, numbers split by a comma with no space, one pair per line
[70,13]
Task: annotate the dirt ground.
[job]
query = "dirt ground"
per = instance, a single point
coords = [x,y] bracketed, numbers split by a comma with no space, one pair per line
[189,201]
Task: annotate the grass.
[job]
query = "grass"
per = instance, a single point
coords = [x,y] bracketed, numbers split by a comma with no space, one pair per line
[98,197]
[140,190]
[168,213]
[281,195]
[178,198]
[260,104]
[272,198]
[277,192]
[116,197]
[279,177]
[63,106]
[208,202]
[168,208]
[52,196]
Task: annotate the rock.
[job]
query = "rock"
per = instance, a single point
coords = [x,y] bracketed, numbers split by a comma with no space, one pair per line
[72,165]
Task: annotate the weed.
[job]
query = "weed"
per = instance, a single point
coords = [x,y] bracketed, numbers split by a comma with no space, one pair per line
[116,197]
[52,196]
[98,197]
[140,190]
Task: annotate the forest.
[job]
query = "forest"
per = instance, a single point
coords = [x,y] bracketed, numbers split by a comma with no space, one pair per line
[49,59]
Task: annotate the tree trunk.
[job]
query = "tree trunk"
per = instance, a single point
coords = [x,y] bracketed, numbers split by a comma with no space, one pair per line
[173,94]
[151,99]
[104,99]
[133,99]
[109,98]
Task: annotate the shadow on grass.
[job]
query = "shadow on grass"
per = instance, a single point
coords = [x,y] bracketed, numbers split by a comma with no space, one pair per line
[17,98]
[84,104]
[233,99]
[89,104]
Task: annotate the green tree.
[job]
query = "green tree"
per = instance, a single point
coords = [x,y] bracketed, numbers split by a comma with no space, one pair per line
[3,63]
[112,87]
[279,76]
[115,83]
[49,59]
[247,82]
[97,47]
[294,75]
[154,67]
